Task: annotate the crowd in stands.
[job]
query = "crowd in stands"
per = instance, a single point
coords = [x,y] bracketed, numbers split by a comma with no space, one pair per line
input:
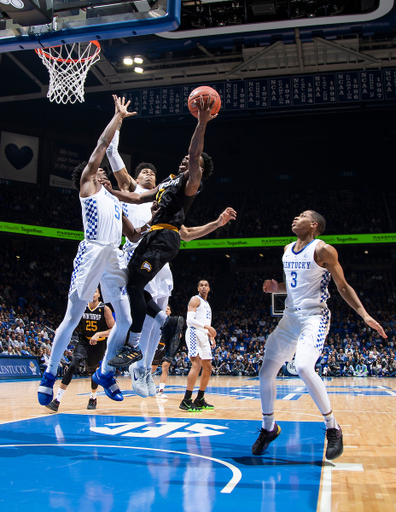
[269,213]
[34,284]
[27,322]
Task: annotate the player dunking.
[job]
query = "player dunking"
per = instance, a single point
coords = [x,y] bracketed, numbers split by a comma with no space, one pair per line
[96,323]
[98,260]
[161,244]
[200,335]
[309,265]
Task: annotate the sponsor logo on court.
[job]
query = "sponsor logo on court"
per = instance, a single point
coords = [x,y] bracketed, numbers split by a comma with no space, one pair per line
[168,429]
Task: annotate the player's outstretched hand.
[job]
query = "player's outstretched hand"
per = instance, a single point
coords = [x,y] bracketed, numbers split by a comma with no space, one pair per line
[228,214]
[270,286]
[205,109]
[122,107]
[103,180]
[375,325]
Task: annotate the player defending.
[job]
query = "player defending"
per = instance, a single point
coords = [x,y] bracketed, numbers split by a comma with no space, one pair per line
[199,338]
[96,323]
[160,287]
[98,260]
[161,244]
[308,264]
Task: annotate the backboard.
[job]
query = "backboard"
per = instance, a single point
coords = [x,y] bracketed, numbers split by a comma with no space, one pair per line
[73,21]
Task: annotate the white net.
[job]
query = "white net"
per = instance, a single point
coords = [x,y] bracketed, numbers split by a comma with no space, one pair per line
[68,66]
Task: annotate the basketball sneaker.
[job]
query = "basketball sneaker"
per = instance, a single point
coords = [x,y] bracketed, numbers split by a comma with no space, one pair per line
[335,445]
[45,392]
[171,331]
[188,405]
[201,403]
[264,439]
[53,406]
[161,395]
[151,388]
[126,356]
[92,403]
[109,384]
[139,380]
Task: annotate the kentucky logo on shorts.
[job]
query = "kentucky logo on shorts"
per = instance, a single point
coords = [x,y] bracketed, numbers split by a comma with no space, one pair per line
[146,266]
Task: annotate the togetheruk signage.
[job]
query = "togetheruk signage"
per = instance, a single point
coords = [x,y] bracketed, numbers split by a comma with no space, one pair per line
[18,367]
[221,243]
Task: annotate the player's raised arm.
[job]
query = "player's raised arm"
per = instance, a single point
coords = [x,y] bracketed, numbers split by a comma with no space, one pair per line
[121,111]
[131,197]
[328,257]
[124,179]
[196,146]
[188,234]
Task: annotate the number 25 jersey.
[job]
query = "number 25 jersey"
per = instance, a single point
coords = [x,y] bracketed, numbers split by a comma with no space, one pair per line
[306,281]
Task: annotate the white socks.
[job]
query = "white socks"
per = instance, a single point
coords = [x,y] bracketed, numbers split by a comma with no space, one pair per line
[60,394]
[330,420]
[268,422]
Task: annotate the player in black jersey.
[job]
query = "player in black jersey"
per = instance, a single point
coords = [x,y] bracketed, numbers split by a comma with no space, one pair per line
[96,324]
[161,244]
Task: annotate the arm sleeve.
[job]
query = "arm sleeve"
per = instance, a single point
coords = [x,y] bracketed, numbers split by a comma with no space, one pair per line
[115,160]
[193,322]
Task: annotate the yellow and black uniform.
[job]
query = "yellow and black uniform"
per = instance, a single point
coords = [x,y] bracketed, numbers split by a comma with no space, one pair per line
[91,322]
[158,247]
[159,356]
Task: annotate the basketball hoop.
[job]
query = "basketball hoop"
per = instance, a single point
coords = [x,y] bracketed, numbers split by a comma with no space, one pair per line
[67,73]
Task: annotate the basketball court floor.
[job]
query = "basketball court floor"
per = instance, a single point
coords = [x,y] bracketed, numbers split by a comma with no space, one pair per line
[147,454]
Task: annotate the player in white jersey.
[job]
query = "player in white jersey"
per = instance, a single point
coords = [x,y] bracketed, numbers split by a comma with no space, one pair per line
[308,264]
[200,336]
[98,260]
[161,286]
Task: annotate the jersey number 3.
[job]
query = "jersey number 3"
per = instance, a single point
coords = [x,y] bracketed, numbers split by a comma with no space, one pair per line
[293,284]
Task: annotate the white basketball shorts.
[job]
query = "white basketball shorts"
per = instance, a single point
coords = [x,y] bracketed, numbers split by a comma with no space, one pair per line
[198,343]
[96,264]
[309,326]
[162,284]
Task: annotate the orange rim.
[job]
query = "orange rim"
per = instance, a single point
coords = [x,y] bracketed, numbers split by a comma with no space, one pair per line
[41,51]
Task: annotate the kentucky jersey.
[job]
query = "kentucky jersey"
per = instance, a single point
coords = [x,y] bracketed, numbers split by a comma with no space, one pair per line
[139,215]
[93,321]
[172,202]
[102,218]
[203,313]
[306,281]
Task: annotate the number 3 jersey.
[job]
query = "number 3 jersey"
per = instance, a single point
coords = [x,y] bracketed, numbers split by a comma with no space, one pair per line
[102,218]
[306,282]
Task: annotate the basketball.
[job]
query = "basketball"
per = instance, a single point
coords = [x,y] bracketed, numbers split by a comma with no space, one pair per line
[204,91]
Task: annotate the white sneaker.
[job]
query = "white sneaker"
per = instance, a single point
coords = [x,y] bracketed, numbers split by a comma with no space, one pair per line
[138,377]
[161,394]
[152,390]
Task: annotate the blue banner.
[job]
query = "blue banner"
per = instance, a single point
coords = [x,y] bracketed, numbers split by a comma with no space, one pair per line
[18,367]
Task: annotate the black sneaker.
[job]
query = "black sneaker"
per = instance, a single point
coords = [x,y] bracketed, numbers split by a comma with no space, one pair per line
[53,406]
[335,446]
[201,403]
[264,439]
[126,356]
[188,405]
[92,403]
[171,332]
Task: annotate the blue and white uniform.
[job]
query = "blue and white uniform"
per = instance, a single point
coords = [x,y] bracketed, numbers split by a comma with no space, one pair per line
[162,284]
[197,338]
[99,258]
[306,318]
